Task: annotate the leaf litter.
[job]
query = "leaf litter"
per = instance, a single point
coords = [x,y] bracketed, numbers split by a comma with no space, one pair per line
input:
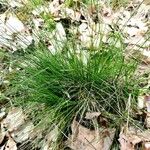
[15,128]
[83,138]
[129,139]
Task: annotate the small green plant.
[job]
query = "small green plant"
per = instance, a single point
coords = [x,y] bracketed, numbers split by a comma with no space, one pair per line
[24,13]
[50,24]
[70,86]
[115,4]
[36,3]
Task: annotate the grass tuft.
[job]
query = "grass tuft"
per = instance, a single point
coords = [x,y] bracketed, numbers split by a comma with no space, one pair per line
[75,81]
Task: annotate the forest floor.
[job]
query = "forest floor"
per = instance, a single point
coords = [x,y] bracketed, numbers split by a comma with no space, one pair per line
[25,23]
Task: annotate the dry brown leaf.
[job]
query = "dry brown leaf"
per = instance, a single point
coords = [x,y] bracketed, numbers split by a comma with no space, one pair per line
[68,12]
[83,138]
[54,8]
[146,146]
[91,115]
[130,137]
[128,140]
[107,15]
[11,145]
[14,119]
[141,102]
[23,133]
[13,24]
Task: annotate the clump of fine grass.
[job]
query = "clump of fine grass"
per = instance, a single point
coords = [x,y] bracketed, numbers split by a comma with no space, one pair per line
[71,84]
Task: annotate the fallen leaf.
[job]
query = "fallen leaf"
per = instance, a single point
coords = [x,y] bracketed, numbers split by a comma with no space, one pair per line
[14,119]
[60,33]
[23,133]
[13,24]
[83,138]
[146,146]
[38,22]
[141,102]
[130,137]
[57,39]
[11,145]
[107,15]
[54,8]
[23,41]
[91,115]
[70,13]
